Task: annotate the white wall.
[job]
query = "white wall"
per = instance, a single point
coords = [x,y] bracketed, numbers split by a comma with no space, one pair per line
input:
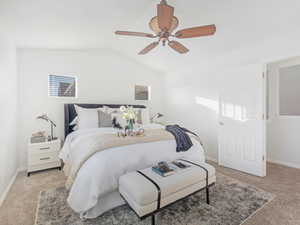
[185,83]
[8,115]
[283,132]
[103,76]
[193,103]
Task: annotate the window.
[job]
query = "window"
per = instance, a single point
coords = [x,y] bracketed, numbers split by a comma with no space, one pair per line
[142,92]
[62,86]
[289,91]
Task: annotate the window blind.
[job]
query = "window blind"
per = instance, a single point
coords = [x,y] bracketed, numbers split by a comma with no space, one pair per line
[62,86]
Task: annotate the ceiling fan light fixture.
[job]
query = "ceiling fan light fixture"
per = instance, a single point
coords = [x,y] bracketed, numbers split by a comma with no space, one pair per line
[163,25]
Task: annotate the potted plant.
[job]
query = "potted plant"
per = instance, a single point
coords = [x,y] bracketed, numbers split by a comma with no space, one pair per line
[130,115]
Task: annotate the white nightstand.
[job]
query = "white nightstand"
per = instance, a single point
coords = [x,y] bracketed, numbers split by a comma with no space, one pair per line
[43,156]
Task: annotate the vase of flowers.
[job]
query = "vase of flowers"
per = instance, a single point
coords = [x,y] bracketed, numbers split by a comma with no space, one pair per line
[130,115]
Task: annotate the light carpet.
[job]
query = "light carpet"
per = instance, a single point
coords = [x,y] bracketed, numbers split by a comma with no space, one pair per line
[232,202]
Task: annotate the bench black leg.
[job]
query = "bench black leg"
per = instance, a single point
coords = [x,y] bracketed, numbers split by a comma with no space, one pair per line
[207,196]
[153,219]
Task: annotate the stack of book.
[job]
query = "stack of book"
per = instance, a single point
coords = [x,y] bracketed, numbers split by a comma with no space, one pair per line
[165,169]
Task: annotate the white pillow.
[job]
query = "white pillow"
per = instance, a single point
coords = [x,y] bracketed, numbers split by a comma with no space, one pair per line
[145,116]
[87,118]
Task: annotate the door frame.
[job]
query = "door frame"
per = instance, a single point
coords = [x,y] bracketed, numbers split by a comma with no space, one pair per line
[265,113]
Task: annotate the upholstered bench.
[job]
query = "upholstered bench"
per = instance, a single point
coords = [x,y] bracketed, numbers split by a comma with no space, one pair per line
[146,192]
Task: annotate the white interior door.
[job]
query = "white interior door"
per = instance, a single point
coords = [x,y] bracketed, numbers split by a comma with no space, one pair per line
[242,131]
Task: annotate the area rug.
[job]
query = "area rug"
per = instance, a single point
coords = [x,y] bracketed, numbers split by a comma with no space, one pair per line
[232,202]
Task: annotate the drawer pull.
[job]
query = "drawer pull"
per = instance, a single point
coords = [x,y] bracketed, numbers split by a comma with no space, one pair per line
[45,148]
[46,158]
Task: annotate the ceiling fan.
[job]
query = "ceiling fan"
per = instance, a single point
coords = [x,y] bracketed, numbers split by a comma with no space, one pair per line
[163,26]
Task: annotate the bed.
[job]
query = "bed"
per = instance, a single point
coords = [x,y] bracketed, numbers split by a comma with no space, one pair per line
[95,187]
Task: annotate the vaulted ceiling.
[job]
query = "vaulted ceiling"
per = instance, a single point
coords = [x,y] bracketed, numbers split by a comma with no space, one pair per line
[74,24]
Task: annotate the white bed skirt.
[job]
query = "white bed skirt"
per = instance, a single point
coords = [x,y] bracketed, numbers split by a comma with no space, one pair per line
[108,202]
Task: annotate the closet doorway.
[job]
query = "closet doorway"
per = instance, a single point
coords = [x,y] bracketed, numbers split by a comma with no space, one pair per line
[283,112]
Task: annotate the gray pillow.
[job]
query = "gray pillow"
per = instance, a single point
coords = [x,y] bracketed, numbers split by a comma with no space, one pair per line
[104,119]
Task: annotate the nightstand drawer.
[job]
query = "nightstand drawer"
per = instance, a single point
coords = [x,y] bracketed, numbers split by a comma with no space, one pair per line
[43,158]
[44,148]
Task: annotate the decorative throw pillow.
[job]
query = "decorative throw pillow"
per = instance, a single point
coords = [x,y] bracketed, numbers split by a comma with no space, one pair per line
[145,116]
[116,124]
[104,119]
[117,116]
[87,118]
[107,109]
[139,119]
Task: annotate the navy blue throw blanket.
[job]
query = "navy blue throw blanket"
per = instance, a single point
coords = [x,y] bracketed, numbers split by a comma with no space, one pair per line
[183,140]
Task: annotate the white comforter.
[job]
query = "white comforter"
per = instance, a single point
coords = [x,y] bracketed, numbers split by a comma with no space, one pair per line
[98,177]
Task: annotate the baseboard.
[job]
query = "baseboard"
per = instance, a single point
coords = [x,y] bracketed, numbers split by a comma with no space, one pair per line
[12,180]
[288,164]
[211,159]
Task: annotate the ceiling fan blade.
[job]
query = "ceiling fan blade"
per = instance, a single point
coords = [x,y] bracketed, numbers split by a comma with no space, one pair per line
[148,48]
[178,47]
[165,16]
[196,31]
[137,34]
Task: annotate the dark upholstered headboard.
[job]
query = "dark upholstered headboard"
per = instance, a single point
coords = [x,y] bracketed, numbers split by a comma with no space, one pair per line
[70,112]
